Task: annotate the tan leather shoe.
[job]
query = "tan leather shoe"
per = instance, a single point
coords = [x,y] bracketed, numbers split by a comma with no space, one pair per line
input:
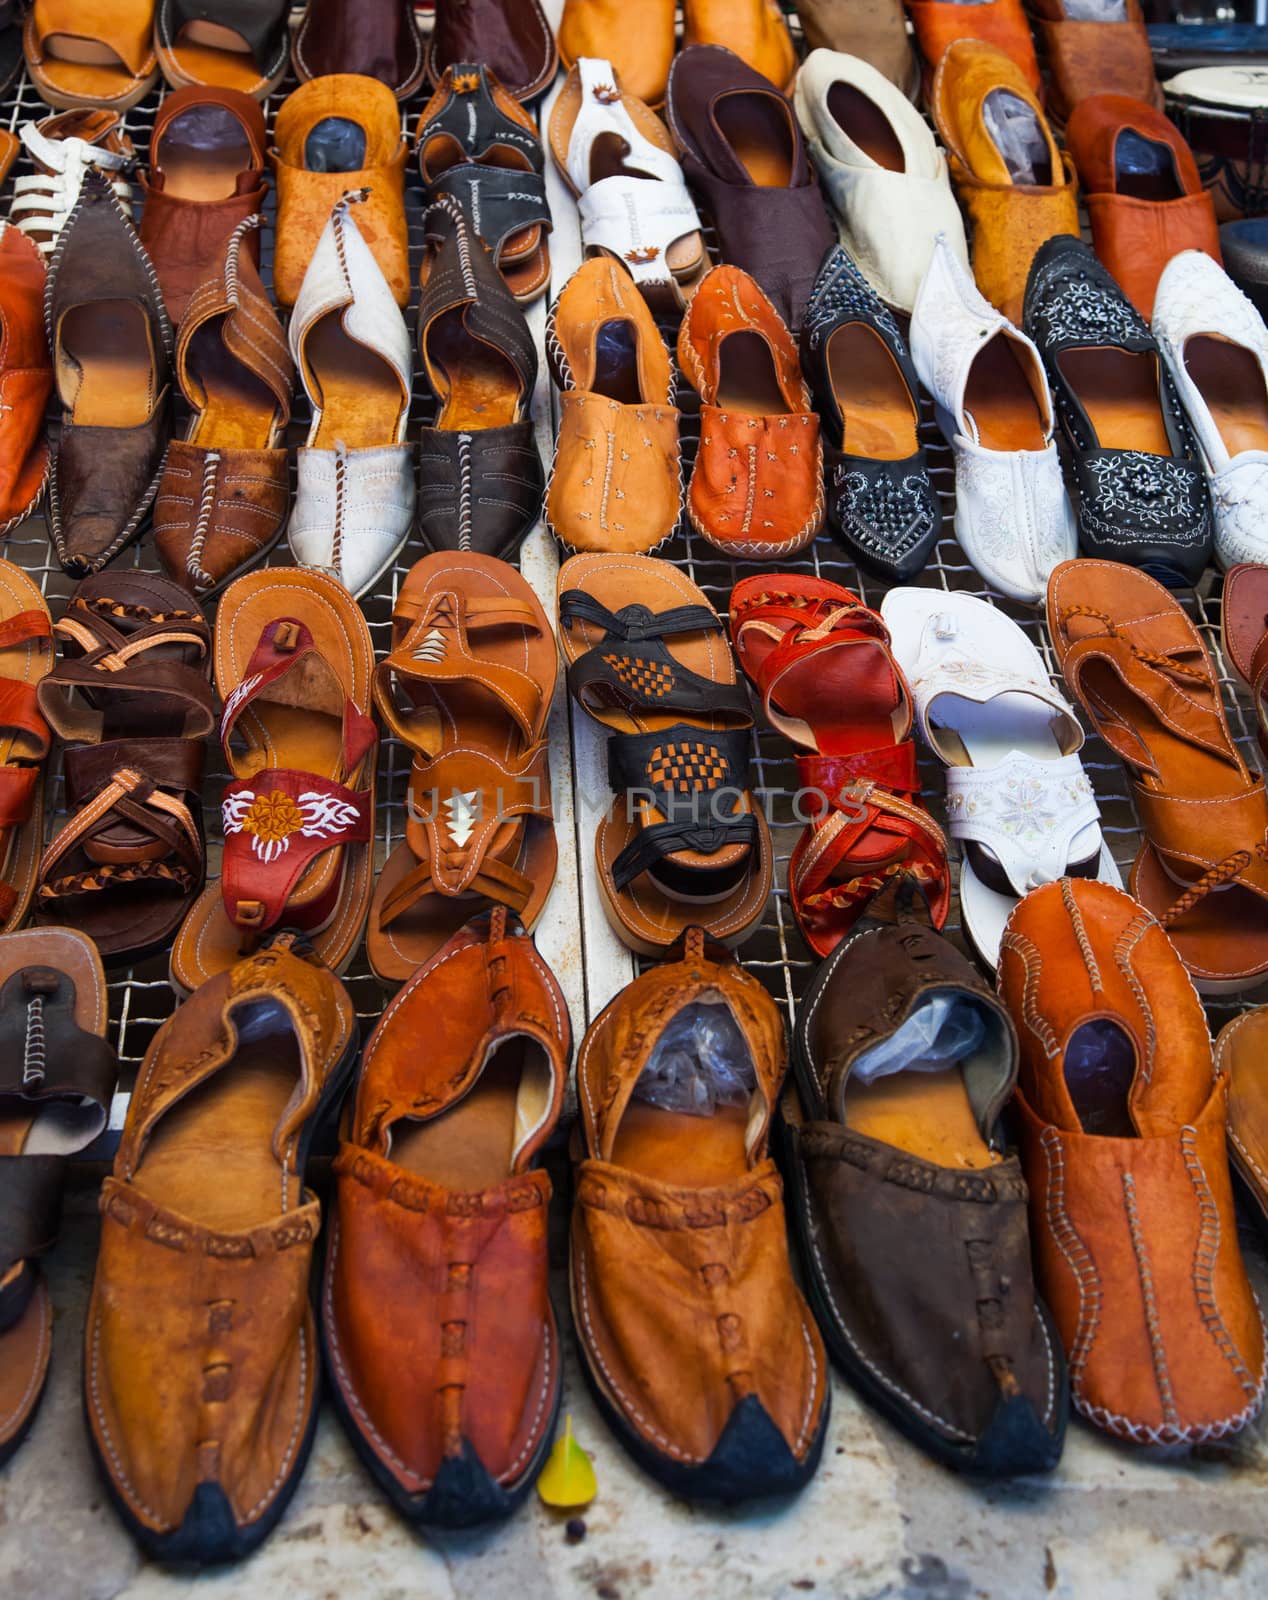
[1239,1055]
[615,485]
[201,1373]
[705,1357]
[1016,203]
[91,52]
[754,29]
[1122,1116]
[636,36]
[873,30]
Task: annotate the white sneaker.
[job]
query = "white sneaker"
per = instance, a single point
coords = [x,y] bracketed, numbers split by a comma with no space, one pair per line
[354,504]
[1012,515]
[1216,347]
[885,175]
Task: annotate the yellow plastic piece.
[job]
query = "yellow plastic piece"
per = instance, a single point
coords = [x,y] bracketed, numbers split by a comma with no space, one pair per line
[567,1481]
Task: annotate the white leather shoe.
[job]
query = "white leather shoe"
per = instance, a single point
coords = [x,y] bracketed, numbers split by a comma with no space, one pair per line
[354,505]
[885,176]
[1012,515]
[1216,346]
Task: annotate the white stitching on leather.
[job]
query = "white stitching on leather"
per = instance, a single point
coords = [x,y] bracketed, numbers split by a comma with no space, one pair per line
[1205,1258]
[1077,1255]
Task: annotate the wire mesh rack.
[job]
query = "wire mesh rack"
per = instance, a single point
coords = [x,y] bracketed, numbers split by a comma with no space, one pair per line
[141,997]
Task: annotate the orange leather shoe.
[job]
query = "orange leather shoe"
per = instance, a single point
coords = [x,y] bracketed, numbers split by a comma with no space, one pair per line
[754,30]
[26,378]
[757,486]
[703,1355]
[1091,57]
[636,36]
[333,135]
[1123,1116]
[442,1343]
[1142,189]
[1002,23]
[91,52]
[1239,1055]
[1016,202]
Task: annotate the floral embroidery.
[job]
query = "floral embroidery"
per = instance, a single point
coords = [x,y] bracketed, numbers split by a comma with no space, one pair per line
[273,819]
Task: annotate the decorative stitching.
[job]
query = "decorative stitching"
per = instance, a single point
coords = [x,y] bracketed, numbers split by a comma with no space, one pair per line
[1077,1256]
[1157,1349]
[1205,1256]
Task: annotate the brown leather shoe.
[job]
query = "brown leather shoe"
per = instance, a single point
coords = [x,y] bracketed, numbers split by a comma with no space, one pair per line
[201,1372]
[62,148]
[333,136]
[1093,57]
[226,484]
[636,36]
[939,24]
[702,1353]
[616,483]
[511,37]
[239,45]
[754,29]
[1014,208]
[1239,1057]
[1142,189]
[757,486]
[911,1212]
[450,1397]
[873,30]
[112,354]
[206,176]
[26,378]
[375,38]
[1123,1120]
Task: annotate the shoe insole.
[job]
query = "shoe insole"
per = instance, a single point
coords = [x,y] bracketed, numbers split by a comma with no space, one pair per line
[210,1157]
[756,125]
[472,1145]
[87,52]
[335,144]
[107,344]
[608,156]
[676,1148]
[1231,381]
[1144,168]
[863,121]
[880,419]
[928,1114]
[616,362]
[239,411]
[359,393]
[201,153]
[214,36]
[1000,397]
[747,379]
[1118,390]
[482,387]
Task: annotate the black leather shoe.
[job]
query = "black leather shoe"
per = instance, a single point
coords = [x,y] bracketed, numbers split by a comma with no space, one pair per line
[880,504]
[1142,492]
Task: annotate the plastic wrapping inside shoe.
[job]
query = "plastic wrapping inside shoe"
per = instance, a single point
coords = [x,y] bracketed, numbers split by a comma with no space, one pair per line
[335,145]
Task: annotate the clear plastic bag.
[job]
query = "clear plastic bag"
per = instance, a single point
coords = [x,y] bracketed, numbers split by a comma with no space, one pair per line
[700,1061]
[945,1030]
[335,145]
[1014,129]
[1096,10]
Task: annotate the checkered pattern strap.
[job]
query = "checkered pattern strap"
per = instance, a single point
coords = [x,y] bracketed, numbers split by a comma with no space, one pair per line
[696,779]
[632,668]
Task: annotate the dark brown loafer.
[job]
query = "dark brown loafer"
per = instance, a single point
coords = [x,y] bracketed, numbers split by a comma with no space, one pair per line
[511,37]
[112,360]
[377,38]
[910,1214]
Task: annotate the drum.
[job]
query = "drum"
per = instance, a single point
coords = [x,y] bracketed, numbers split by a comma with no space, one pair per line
[1223,113]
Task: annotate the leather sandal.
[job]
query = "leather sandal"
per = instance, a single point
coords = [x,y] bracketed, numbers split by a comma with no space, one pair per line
[829,683]
[1244,628]
[26,654]
[617,157]
[293,662]
[479,147]
[467,686]
[1142,672]
[94,55]
[380,40]
[225,489]
[685,844]
[55,1092]
[227,44]
[131,696]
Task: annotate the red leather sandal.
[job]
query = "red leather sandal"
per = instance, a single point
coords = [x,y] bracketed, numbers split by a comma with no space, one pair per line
[822,664]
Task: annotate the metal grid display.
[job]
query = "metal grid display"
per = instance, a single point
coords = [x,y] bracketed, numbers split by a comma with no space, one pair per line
[140,996]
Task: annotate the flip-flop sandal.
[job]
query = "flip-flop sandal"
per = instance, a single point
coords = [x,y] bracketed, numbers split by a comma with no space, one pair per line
[26,654]
[1244,629]
[467,686]
[479,146]
[829,683]
[1017,796]
[230,45]
[620,162]
[55,1094]
[685,844]
[293,663]
[77,60]
[131,694]
[1140,669]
